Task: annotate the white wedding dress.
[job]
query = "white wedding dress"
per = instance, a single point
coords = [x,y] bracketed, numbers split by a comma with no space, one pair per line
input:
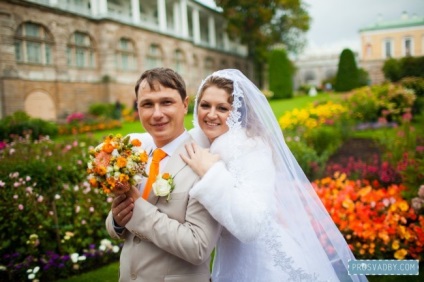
[238,191]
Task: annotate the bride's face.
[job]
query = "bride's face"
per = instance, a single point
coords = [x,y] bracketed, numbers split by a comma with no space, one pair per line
[213,111]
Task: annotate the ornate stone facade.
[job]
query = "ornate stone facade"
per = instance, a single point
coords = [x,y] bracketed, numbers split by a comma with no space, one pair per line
[60,56]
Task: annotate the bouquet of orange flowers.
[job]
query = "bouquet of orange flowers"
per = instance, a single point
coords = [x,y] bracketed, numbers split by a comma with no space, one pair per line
[117,164]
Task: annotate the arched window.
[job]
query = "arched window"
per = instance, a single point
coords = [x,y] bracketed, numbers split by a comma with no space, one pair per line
[33,44]
[80,51]
[125,56]
[154,57]
[309,76]
[179,62]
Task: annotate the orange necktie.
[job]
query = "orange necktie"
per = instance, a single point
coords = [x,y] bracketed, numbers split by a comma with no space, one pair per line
[158,155]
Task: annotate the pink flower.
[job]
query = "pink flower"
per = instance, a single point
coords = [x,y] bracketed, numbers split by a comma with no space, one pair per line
[2,183]
[421,192]
[59,167]
[28,178]
[15,197]
[91,209]
[40,199]
[20,207]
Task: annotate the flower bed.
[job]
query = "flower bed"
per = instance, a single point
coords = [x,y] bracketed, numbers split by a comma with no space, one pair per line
[376,221]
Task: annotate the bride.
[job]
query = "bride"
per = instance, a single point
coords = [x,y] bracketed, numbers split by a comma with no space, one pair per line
[275,226]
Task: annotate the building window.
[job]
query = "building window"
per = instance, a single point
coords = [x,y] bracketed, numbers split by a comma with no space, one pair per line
[80,51]
[408,47]
[33,44]
[154,57]
[179,62]
[388,48]
[126,58]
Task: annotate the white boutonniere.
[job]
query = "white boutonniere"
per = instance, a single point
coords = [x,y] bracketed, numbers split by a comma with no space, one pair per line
[163,186]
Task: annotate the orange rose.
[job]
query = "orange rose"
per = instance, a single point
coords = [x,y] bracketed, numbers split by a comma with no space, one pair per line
[100,170]
[144,157]
[108,148]
[136,142]
[121,162]
[166,176]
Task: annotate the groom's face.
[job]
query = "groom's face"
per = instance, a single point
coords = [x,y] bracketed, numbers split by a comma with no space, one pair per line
[161,111]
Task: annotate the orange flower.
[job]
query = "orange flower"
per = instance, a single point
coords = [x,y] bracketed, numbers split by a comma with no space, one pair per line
[108,147]
[123,178]
[121,162]
[93,182]
[166,176]
[100,170]
[136,142]
[111,181]
[144,157]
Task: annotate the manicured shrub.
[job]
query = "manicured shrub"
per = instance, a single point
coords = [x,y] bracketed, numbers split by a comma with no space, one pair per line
[21,124]
[105,110]
[347,77]
[388,102]
[396,69]
[280,74]
[417,85]
[392,70]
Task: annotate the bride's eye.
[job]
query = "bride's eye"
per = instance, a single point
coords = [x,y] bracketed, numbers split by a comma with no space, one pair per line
[204,105]
[223,109]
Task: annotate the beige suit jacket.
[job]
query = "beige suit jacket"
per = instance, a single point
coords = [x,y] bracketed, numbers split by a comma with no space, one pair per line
[168,241]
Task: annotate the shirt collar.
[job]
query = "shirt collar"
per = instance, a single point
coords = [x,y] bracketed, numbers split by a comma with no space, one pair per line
[174,144]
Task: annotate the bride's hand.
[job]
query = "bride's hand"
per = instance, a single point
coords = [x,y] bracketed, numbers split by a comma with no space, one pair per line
[199,159]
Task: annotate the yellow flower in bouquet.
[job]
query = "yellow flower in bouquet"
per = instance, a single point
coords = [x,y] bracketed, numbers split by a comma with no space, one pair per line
[117,164]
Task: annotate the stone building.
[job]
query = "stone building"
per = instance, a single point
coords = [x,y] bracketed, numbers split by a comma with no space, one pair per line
[390,39]
[60,56]
[313,68]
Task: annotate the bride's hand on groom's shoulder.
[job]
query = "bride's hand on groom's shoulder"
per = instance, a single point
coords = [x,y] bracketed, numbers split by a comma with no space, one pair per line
[199,159]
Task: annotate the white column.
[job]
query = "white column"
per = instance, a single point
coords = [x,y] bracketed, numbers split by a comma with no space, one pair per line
[184,18]
[226,41]
[196,26]
[177,18]
[162,15]
[212,33]
[102,9]
[94,5]
[135,10]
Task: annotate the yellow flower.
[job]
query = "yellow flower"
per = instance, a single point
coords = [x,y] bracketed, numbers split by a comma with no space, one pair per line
[395,245]
[400,254]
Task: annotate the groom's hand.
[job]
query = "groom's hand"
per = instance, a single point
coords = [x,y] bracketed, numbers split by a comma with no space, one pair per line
[122,209]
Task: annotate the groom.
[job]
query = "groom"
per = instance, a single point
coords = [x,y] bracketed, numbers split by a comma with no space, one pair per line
[164,240]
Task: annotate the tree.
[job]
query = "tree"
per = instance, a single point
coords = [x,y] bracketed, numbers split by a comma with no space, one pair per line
[347,77]
[262,23]
[280,74]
